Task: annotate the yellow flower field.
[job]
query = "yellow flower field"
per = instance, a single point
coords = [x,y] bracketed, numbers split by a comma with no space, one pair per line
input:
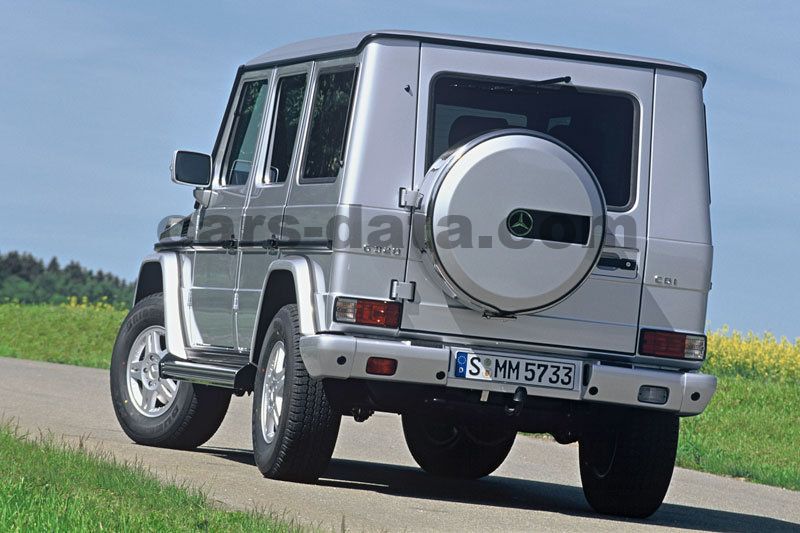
[751,355]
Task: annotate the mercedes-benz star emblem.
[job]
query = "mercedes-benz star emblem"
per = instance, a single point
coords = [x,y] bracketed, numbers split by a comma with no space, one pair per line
[519,222]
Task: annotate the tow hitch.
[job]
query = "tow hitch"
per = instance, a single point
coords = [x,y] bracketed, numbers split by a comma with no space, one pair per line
[514,408]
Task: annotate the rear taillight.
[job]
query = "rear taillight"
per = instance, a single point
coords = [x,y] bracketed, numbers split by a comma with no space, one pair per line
[368,312]
[672,344]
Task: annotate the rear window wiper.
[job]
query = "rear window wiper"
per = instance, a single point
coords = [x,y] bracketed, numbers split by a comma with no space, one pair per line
[510,87]
[532,84]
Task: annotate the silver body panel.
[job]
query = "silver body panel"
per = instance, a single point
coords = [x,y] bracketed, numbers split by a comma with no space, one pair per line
[214,297]
[679,247]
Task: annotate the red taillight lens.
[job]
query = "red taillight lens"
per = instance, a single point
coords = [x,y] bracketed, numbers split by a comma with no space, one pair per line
[381,366]
[368,312]
[672,344]
[662,344]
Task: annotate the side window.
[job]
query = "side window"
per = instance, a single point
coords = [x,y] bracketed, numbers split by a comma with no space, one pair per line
[244,133]
[291,92]
[329,119]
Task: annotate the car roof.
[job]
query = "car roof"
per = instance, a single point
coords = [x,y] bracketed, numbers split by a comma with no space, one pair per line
[353,42]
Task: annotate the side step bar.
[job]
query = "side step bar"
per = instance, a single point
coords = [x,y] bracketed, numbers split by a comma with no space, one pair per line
[236,374]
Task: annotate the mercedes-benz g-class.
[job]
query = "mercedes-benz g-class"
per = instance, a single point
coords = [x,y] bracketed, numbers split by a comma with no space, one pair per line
[485,237]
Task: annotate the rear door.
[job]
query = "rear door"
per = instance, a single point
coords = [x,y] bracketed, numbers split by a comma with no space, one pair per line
[604,113]
[271,183]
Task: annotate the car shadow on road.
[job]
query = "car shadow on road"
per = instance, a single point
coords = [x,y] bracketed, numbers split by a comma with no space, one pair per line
[500,491]
[236,455]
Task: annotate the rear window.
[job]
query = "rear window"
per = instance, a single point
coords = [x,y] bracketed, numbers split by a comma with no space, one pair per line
[598,126]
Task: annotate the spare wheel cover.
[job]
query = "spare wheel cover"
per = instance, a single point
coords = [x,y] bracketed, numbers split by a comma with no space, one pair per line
[539,202]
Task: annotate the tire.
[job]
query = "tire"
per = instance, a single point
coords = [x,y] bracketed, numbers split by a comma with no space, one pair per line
[456,451]
[626,470]
[298,444]
[194,413]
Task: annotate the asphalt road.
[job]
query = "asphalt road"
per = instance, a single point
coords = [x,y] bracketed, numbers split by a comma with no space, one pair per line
[372,483]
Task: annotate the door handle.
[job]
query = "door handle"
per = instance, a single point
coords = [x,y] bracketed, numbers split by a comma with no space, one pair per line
[614,263]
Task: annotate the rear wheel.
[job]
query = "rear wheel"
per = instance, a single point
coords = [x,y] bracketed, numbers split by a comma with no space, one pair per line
[294,427]
[456,450]
[151,410]
[626,469]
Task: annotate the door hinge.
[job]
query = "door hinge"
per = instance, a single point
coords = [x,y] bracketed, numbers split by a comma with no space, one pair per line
[236,302]
[410,199]
[402,290]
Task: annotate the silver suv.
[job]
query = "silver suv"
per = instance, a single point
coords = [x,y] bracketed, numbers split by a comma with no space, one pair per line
[482,236]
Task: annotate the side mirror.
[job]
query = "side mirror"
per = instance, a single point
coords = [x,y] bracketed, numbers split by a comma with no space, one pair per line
[191,168]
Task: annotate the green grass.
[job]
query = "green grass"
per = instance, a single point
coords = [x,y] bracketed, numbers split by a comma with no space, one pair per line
[751,430]
[80,335]
[46,486]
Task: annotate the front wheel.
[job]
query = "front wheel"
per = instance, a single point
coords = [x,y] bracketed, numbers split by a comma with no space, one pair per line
[456,450]
[626,467]
[294,427]
[152,410]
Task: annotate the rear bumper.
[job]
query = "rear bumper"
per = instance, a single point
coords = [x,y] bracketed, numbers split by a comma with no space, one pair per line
[345,357]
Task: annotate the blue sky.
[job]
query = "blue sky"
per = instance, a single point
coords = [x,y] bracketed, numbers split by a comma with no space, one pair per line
[95,96]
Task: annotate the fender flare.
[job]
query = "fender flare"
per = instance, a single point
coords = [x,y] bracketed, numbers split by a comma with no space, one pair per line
[308,285]
[146,284]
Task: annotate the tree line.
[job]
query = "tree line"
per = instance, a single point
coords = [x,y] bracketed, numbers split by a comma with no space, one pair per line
[27,279]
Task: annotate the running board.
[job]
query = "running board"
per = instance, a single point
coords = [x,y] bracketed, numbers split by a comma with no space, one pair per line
[237,374]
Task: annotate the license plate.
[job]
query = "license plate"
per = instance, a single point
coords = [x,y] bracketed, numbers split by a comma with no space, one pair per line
[534,372]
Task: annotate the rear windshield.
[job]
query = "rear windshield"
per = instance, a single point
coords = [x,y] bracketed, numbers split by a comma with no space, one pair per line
[598,126]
